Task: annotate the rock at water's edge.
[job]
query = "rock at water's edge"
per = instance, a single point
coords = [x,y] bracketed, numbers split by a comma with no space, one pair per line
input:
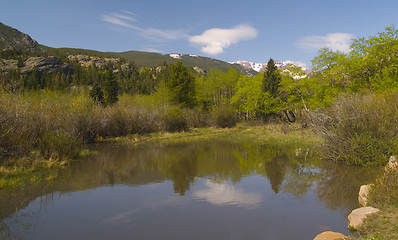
[330,236]
[357,216]
[363,195]
[392,163]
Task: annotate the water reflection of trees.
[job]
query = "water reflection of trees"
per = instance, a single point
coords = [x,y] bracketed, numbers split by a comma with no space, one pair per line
[276,169]
[289,169]
[338,185]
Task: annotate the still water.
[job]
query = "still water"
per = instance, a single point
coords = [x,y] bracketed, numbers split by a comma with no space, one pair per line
[209,190]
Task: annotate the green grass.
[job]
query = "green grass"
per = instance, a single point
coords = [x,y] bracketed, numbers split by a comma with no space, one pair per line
[34,169]
[272,134]
[381,226]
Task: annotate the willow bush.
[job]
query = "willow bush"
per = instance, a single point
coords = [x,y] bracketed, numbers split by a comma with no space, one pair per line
[360,129]
[56,124]
[224,116]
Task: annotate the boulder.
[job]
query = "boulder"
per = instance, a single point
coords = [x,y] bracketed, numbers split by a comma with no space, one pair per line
[357,216]
[330,236]
[363,195]
[392,163]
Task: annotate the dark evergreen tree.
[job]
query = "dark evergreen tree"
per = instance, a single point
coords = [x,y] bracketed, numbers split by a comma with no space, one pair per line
[33,80]
[110,88]
[20,62]
[97,94]
[272,79]
[181,83]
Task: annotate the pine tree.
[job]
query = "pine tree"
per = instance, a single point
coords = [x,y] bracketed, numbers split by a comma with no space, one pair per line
[181,83]
[97,94]
[272,79]
[110,88]
[20,62]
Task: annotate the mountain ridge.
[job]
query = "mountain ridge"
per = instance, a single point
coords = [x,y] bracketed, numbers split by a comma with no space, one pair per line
[151,59]
[11,38]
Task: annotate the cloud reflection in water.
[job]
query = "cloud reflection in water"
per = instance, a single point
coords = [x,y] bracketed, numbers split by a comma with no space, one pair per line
[227,194]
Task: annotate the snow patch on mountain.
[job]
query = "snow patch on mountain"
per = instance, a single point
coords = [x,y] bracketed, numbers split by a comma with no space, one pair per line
[175,55]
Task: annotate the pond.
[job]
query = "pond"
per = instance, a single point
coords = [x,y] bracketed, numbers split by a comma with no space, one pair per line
[208,190]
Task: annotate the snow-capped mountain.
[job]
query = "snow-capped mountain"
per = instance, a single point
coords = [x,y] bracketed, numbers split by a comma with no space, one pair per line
[251,65]
[260,67]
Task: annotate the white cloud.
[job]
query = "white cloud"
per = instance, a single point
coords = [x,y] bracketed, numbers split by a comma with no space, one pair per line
[128,20]
[215,40]
[168,34]
[226,194]
[335,41]
[212,41]
[128,16]
[115,19]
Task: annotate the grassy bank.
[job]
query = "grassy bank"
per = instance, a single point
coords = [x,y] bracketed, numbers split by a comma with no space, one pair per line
[381,226]
[272,134]
[384,196]
[24,171]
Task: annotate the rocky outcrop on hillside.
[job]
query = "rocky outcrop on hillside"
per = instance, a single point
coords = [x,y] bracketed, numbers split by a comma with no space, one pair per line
[86,61]
[45,64]
[42,64]
[6,65]
[200,71]
[11,38]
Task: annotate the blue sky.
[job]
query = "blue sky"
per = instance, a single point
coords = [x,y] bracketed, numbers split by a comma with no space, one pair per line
[226,30]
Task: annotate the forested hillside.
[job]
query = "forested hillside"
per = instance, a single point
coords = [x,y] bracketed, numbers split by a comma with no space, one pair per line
[149,59]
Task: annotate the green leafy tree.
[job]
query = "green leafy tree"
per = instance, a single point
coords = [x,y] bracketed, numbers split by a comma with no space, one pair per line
[248,96]
[371,65]
[181,83]
[374,60]
[217,87]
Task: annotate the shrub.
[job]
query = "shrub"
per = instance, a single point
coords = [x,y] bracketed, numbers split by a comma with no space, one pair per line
[360,129]
[197,118]
[85,126]
[58,145]
[385,190]
[115,123]
[19,127]
[224,116]
[174,119]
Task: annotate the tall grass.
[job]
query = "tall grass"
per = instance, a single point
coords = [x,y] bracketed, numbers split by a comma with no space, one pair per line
[361,129]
